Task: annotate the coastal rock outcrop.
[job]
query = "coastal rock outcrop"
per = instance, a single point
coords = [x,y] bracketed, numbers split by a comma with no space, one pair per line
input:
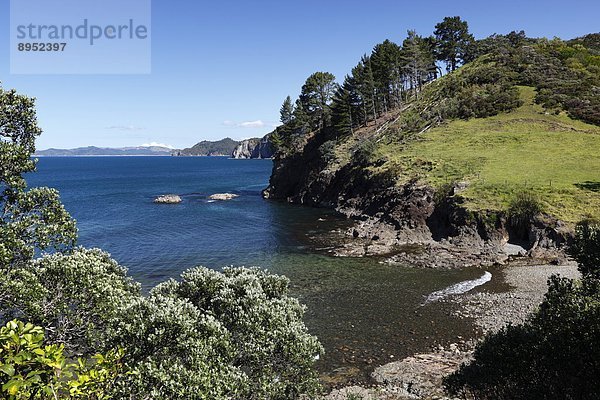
[168,199]
[254,148]
[223,196]
[410,222]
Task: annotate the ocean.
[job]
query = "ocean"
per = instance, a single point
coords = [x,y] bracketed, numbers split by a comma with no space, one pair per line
[365,312]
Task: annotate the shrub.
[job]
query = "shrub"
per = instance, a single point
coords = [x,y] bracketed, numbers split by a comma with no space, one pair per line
[235,334]
[327,151]
[443,193]
[31,370]
[586,248]
[364,153]
[522,210]
[175,352]
[72,296]
[267,336]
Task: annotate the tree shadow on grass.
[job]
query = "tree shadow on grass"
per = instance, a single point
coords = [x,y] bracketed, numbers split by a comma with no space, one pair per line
[589,185]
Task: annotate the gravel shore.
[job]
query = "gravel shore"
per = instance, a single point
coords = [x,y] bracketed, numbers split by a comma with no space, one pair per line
[420,376]
[492,311]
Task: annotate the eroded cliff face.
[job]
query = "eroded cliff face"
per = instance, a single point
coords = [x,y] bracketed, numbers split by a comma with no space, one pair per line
[410,222]
[254,148]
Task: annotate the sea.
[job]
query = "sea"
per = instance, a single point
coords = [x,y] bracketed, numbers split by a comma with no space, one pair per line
[364,311]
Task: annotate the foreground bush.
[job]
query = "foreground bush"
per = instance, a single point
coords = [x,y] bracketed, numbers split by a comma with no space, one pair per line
[31,370]
[266,337]
[74,297]
[214,335]
[586,248]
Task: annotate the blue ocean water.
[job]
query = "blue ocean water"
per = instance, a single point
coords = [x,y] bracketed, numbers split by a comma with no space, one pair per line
[112,200]
[362,310]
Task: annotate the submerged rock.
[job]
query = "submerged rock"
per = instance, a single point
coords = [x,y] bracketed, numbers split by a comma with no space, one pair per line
[223,196]
[168,199]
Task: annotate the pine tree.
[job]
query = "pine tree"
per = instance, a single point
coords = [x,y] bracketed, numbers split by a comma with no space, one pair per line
[365,86]
[387,73]
[315,97]
[346,107]
[286,111]
[453,41]
[300,120]
[417,61]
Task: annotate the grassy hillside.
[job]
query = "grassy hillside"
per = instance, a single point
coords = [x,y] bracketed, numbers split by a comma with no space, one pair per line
[554,156]
[523,116]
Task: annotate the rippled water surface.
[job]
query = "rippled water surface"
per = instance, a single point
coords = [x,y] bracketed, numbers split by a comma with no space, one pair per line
[365,313]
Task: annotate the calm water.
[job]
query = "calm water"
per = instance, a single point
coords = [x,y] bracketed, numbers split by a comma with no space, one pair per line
[364,312]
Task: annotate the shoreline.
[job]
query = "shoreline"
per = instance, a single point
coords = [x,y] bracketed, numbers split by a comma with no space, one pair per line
[420,375]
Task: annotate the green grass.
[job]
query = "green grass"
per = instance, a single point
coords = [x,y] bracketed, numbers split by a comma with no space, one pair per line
[554,156]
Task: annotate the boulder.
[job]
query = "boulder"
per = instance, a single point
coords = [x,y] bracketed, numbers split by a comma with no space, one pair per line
[223,196]
[168,199]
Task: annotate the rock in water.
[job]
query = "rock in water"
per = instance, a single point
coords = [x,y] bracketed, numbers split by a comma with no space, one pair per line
[168,199]
[223,196]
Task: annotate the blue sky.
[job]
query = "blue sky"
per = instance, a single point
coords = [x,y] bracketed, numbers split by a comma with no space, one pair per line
[222,68]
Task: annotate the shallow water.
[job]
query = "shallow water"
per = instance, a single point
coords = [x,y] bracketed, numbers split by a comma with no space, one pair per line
[365,313]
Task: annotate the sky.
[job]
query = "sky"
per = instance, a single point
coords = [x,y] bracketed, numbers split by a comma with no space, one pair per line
[223,68]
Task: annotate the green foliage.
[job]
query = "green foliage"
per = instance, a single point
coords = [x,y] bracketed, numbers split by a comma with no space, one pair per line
[327,151]
[365,152]
[263,325]
[386,64]
[174,351]
[554,355]
[418,60]
[72,296]
[443,192]
[286,111]
[315,98]
[523,208]
[453,41]
[30,220]
[586,248]
[346,107]
[31,370]
[591,41]
[567,76]
[212,336]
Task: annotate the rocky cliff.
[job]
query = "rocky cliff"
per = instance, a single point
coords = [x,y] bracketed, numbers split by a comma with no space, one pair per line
[411,222]
[254,148]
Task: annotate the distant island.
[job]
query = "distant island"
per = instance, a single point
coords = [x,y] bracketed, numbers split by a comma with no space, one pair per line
[106,151]
[244,149]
